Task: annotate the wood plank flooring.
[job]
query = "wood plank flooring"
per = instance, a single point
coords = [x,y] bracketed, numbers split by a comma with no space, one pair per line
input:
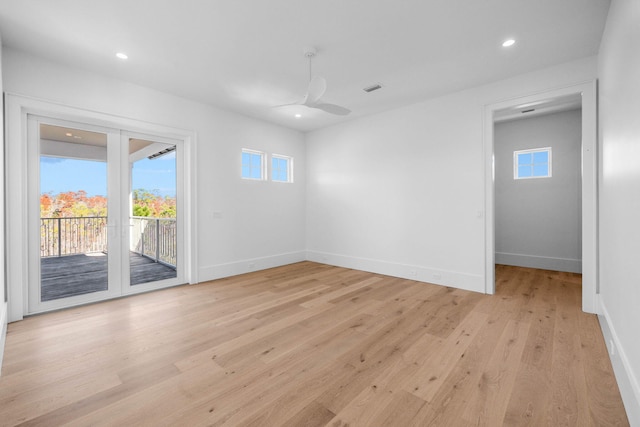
[81,274]
[313,345]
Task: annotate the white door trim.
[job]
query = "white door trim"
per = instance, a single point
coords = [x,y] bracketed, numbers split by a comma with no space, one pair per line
[17,107]
[589,186]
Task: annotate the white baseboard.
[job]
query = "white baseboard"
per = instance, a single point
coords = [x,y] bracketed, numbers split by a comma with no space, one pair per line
[218,271]
[541,262]
[3,330]
[625,376]
[453,279]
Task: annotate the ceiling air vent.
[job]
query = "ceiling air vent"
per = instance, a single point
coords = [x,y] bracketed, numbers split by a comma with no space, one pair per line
[372,87]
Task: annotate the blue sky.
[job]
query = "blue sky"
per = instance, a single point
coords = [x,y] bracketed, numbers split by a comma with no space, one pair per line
[157,174]
[59,175]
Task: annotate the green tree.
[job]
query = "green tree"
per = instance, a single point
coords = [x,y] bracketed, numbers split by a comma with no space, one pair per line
[139,210]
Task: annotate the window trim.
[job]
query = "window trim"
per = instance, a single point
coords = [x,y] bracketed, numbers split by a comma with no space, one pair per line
[263,166]
[289,160]
[532,151]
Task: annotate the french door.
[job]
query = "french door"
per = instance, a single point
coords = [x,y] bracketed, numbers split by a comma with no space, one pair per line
[103,210]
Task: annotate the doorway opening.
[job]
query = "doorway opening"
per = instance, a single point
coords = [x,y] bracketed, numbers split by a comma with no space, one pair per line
[538,213]
[585,254]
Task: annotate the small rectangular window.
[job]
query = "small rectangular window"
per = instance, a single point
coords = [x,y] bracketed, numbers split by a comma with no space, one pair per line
[252,164]
[281,168]
[533,163]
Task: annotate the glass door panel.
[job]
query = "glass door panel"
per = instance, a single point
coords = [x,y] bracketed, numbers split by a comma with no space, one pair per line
[153,249]
[74,237]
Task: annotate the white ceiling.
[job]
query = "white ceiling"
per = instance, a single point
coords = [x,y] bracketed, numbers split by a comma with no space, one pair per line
[72,136]
[246,55]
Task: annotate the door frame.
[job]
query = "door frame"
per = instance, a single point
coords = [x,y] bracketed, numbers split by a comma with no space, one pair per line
[589,166]
[127,288]
[17,108]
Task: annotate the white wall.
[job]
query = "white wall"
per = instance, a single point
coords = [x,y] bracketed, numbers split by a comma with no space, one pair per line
[402,192]
[538,221]
[3,284]
[619,68]
[261,222]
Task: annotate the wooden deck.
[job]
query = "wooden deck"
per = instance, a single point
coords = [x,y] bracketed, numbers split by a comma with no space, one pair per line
[315,345]
[73,275]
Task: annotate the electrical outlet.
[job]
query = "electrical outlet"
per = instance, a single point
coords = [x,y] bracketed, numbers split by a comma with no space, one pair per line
[612,348]
[413,273]
[437,276]
[252,266]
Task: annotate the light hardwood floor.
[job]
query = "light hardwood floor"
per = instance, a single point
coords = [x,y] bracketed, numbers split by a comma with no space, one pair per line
[310,344]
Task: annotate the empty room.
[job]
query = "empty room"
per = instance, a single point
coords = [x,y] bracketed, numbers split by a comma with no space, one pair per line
[303,213]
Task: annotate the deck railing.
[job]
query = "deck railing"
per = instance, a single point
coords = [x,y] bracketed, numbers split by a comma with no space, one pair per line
[153,238]
[72,235]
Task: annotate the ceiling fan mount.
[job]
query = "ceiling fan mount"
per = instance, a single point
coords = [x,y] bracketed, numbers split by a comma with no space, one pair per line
[309,52]
[316,89]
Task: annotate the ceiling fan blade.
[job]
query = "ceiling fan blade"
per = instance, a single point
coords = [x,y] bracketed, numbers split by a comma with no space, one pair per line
[333,109]
[317,87]
[288,105]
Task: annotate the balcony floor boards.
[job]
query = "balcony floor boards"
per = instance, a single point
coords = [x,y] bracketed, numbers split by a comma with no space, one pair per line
[73,275]
[314,345]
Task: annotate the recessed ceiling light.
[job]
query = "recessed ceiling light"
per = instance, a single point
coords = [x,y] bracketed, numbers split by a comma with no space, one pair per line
[297,116]
[508,43]
[69,134]
[122,55]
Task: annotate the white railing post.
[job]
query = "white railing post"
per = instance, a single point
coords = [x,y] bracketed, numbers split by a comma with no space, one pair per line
[142,233]
[157,239]
[59,238]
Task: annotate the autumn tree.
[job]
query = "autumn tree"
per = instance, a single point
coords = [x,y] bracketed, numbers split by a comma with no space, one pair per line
[78,204]
[72,204]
